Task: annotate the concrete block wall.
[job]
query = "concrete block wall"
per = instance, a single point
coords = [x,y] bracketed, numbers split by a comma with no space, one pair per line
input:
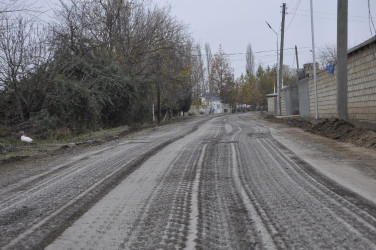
[303,92]
[326,95]
[361,87]
[283,102]
[272,101]
[362,84]
[290,100]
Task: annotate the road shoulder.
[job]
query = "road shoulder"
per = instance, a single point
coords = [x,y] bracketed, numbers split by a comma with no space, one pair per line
[350,166]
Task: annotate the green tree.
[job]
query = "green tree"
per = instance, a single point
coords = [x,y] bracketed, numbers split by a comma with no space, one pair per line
[264,84]
[247,90]
[254,88]
[289,75]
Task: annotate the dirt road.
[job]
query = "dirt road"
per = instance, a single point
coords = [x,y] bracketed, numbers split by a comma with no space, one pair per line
[225,183]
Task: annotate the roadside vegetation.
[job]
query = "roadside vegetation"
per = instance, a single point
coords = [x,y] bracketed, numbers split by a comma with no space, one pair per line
[97,65]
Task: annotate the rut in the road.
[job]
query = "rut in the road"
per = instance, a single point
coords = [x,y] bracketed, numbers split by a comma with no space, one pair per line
[230,185]
[304,212]
[36,209]
[222,221]
[164,220]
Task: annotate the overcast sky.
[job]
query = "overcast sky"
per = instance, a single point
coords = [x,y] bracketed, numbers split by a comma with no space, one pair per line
[235,23]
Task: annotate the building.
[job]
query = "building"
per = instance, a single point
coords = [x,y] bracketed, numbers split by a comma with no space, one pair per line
[208,104]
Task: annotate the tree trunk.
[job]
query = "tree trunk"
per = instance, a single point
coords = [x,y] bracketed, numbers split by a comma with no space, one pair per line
[18,101]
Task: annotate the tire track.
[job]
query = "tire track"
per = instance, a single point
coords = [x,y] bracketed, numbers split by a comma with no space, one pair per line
[303,212]
[166,222]
[223,219]
[230,185]
[30,223]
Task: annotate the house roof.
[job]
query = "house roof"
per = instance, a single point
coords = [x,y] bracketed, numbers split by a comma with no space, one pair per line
[363,44]
[211,97]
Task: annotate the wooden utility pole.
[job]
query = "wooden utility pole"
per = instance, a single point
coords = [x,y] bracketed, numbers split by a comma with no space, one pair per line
[281,58]
[342,7]
[297,60]
[297,64]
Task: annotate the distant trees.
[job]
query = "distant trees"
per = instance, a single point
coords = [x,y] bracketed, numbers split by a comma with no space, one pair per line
[288,75]
[254,88]
[102,63]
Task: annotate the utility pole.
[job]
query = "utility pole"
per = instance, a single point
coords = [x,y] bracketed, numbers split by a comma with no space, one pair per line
[281,58]
[342,16]
[297,60]
[314,64]
[297,64]
[277,65]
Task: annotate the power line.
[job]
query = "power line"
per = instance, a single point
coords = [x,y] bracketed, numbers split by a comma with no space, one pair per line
[332,18]
[297,6]
[255,52]
[331,13]
[370,18]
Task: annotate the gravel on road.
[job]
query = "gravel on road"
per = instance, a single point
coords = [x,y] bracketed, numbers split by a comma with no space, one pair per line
[223,182]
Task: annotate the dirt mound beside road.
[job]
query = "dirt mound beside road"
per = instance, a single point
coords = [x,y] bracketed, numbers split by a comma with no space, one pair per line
[333,128]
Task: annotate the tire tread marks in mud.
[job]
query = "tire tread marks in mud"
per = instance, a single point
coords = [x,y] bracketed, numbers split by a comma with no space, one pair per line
[224,222]
[56,208]
[164,222]
[305,213]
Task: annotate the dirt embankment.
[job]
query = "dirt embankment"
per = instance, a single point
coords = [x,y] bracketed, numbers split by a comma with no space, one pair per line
[333,128]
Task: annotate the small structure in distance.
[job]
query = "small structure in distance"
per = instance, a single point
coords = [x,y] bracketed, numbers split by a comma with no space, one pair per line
[208,104]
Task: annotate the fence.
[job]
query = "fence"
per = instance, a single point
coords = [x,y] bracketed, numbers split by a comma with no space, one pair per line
[361,88]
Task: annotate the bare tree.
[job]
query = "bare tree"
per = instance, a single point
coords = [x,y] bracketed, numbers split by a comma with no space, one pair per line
[250,65]
[15,6]
[327,55]
[23,52]
[13,55]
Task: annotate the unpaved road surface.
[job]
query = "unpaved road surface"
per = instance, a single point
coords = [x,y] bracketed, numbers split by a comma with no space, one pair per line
[230,182]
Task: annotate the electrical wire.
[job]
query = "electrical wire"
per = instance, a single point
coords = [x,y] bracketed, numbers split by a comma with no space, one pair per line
[332,14]
[332,18]
[255,52]
[370,18]
[297,6]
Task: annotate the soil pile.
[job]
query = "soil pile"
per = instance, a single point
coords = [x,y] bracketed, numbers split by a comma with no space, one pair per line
[333,128]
